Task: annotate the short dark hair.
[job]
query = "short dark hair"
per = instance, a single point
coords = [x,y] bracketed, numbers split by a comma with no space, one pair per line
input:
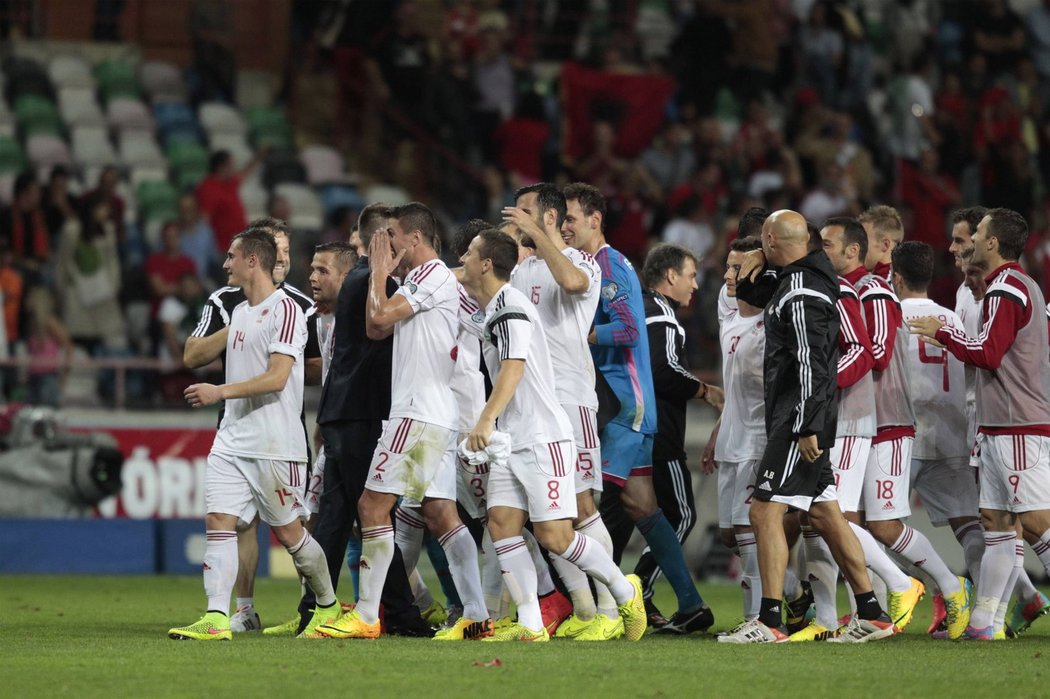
[259,242]
[415,216]
[343,252]
[466,233]
[815,242]
[885,220]
[369,219]
[501,249]
[853,233]
[661,258]
[751,242]
[1010,229]
[751,222]
[589,197]
[913,260]
[972,215]
[274,225]
[24,181]
[217,160]
[548,196]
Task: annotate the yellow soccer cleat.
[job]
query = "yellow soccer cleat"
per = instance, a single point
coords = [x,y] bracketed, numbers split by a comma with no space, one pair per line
[320,617]
[435,614]
[466,630]
[813,632]
[349,625]
[957,608]
[517,632]
[213,626]
[288,628]
[633,611]
[572,627]
[502,623]
[601,628]
[901,605]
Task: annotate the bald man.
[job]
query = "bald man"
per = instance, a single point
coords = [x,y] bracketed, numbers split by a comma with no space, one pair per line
[802,326]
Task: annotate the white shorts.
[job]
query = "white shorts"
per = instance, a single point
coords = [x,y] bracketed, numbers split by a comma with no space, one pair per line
[849,460]
[588,447]
[241,486]
[472,483]
[537,479]
[736,482]
[886,494]
[948,488]
[1015,472]
[315,486]
[414,459]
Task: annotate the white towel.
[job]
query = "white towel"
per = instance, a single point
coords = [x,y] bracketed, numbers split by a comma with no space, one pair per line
[497,452]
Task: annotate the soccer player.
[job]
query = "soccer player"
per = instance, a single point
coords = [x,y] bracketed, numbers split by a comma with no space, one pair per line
[1013,404]
[968,308]
[669,278]
[537,482]
[259,456]
[621,353]
[802,326]
[563,283]
[885,232]
[416,455]
[207,344]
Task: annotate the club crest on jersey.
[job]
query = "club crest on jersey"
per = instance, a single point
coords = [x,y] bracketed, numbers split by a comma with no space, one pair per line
[411,286]
[264,312]
[478,316]
[610,290]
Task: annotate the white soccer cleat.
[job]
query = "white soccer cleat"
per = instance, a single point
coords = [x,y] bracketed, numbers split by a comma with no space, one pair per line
[754,631]
[245,619]
[863,630]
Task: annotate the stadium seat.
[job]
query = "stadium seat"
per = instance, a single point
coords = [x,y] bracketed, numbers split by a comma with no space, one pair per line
[116,79]
[218,117]
[323,165]
[387,193]
[161,77]
[7,186]
[176,123]
[235,144]
[255,88]
[254,199]
[26,77]
[157,200]
[146,173]
[307,210]
[47,150]
[78,107]
[91,146]
[139,148]
[70,70]
[267,126]
[12,160]
[281,167]
[189,163]
[128,113]
[334,196]
[37,115]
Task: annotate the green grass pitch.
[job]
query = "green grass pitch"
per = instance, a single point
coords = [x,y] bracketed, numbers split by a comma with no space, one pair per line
[105,637]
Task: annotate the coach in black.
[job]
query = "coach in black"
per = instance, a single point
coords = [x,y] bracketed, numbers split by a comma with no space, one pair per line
[802,326]
[354,402]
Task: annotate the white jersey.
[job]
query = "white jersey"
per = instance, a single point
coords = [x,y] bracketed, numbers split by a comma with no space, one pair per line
[512,330]
[425,348]
[938,382]
[969,311]
[742,435]
[266,426]
[468,383]
[567,321]
[325,340]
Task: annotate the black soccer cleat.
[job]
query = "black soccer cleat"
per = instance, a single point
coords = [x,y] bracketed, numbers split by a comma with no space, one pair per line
[797,610]
[655,618]
[683,624]
[413,626]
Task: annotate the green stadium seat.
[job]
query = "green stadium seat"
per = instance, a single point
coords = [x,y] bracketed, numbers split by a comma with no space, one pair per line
[157,200]
[12,160]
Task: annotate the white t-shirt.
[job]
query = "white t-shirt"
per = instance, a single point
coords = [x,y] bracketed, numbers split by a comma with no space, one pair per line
[567,321]
[266,426]
[512,330]
[468,383]
[325,340]
[425,348]
[742,435]
[171,310]
[938,389]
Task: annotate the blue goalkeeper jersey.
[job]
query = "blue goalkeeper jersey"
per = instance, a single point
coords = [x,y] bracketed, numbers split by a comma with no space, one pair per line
[622,350]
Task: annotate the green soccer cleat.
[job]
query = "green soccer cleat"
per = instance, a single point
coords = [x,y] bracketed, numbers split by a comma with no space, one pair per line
[435,614]
[1021,616]
[213,626]
[601,628]
[465,629]
[288,628]
[320,617]
[633,611]
[571,627]
[517,632]
[349,625]
[957,608]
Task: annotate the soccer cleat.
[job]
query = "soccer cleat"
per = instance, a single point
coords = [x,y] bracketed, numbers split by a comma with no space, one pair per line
[213,626]
[1020,617]
[863,630]
[517,632]
[957,608]
[601,628]
[349,625]
[754,631]
[653,616]
[503,622]
[572,627]
[972,634]
[633,611]
[901,605]
[435,614]
[939,614]
[1000,634]
[288,628]
[683,624]
[798,609]
[409,625]
[465,629]
[813,632]
[554,608]
[318,618]
[245,619]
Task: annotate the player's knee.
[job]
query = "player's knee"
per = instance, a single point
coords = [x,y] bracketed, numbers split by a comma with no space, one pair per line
[555,539]
[372,510]
[440,516]
[637,505]
[216,521]
[290,534]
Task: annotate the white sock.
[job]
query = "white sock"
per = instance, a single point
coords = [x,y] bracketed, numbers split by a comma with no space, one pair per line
[971,538]
[377,552]
[309,560]
[594,527]
[520,577]
[420,592]
[462,554]
[750,580]
[997,565]
[220,569]
[408,535]
[491,580]
[579,587]
[878,586]
[822,574]
[544,583]
[1004,601]
[915,547]
[1023,587]
[792,586]
[243,602]
[1042,549]
[592,559]
[876,559]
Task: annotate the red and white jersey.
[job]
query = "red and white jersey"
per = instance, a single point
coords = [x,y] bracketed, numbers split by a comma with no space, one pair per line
[1010,354]
[325,340]
[266,426]
[856,397]
[969,311]
[726,304]
[742,435]
[567,321]
[938,384]
[468,383]
[513,330]
[425,348]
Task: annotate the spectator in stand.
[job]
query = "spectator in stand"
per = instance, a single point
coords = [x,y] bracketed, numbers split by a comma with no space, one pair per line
[342,224]
[953,120]
[277,207]
[630,216]
[930,195]
[448,97]
[691,228]
[166,267]
[403,60]
[59,208]
[106,189]
[23,229]
[177,317]
[670,161]
[494,76]
[823,49]
[11,289]
[1038,21]
[998,34]
[197,242]
[832,138]
[520,142]
[603,167]
[210,25]
[831,196]
[49,347]
[219,196]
